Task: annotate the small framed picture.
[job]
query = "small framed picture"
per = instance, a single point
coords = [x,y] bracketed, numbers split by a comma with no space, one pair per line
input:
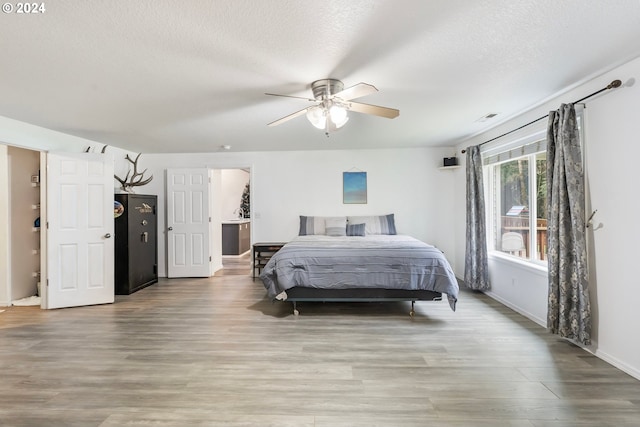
[354,187]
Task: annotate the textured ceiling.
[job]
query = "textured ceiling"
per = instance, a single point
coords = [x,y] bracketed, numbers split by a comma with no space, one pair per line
[190,76]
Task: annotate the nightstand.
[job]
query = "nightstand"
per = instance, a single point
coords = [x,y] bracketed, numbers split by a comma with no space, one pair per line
[262,253]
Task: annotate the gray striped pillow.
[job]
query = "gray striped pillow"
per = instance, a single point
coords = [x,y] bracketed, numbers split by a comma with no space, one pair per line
[311,225]
[381,224]
[314,225]
[355,229]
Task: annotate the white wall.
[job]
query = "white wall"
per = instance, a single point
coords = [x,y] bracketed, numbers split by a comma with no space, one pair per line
[612,149]
[4,227]
[520,286]
[232,187]
[24,135]
[284,185]
[22,165]
[611,136]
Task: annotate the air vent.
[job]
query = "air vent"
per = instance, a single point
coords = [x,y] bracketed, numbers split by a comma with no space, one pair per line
[487,117]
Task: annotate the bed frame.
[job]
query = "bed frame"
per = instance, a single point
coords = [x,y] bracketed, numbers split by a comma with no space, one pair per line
[297,294]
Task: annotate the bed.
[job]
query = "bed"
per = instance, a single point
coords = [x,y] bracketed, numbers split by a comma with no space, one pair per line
[327,265]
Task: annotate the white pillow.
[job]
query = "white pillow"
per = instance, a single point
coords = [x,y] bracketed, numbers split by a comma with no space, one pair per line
[335,226]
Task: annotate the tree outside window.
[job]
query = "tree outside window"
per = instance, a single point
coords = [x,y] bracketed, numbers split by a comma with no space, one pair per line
[518,197]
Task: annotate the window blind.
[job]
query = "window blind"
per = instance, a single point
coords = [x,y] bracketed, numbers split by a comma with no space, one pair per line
[504,154]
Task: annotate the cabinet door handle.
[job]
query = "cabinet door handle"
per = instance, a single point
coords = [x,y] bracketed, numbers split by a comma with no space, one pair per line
[107,236]
[170,228]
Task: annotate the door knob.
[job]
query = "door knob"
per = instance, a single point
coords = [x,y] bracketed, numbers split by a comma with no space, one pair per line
[107,236]
[170,228]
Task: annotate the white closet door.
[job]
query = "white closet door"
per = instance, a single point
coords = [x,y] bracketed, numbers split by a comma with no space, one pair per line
[80,243]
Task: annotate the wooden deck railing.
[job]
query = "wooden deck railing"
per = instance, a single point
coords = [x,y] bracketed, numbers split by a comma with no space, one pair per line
[521,225]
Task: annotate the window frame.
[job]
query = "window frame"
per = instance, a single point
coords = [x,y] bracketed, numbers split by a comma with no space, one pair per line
[494,220]
[520,138]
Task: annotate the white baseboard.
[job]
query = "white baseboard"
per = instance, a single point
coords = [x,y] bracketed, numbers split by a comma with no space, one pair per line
[533,318]
[598,353]
[618,364]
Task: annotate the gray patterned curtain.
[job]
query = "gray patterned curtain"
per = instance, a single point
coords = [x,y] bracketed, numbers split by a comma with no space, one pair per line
[569,312]
[476,268]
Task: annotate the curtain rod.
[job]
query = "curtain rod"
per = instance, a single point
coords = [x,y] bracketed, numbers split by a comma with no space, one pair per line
[613,84]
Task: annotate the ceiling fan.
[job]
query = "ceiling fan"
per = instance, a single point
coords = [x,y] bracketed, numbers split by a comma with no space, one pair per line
[332,103]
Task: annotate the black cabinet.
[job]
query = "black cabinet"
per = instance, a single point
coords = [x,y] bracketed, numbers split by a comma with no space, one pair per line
[236,238]
[136,244]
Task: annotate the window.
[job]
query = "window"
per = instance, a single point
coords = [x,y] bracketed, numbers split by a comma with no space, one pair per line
[516,189]
[517,198]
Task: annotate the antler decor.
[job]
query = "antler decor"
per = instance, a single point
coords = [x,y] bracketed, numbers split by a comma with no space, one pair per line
[136,179]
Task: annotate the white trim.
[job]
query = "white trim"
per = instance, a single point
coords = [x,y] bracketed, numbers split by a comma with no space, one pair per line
[517,309]
[616,362]
[532,266]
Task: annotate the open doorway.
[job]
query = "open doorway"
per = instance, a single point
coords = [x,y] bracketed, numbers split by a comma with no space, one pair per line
[235,206]
[20,232]
[70,195]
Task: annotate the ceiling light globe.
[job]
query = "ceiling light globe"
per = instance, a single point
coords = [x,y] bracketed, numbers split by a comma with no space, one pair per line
[338,115]
[316,117]
[342,123]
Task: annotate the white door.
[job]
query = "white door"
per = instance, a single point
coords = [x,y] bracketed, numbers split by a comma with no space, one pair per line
[79,230]
[188,223]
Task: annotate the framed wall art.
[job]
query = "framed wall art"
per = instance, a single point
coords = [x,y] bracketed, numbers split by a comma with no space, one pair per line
[354,187]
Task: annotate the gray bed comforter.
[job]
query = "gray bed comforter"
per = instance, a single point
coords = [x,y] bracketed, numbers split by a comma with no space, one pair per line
[384,261]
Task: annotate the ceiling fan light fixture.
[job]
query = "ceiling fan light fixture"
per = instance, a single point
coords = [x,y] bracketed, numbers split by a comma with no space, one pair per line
[338,115]
[333,104]
[316,116]
[339,124]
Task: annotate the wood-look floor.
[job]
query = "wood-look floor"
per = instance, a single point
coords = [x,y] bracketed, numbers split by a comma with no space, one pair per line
[236,265]
[215,352]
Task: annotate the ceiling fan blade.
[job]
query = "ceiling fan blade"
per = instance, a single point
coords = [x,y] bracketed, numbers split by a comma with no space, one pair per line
[356,91]
[376,110]
[289,117]
[291,96]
